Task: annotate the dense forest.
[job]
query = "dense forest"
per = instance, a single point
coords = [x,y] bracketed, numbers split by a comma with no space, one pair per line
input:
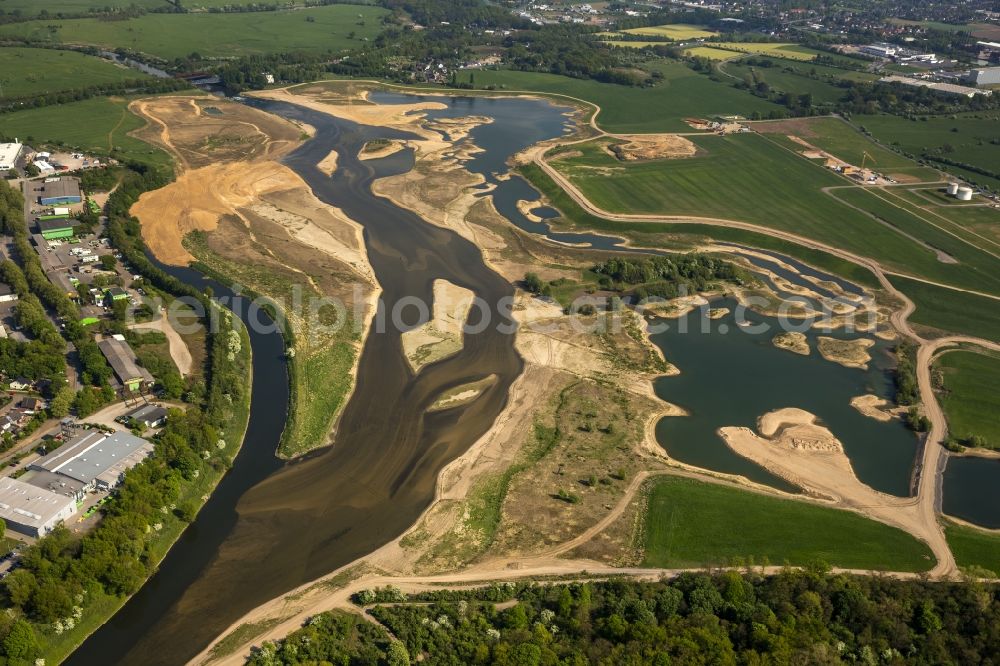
[794,617]
[667,277]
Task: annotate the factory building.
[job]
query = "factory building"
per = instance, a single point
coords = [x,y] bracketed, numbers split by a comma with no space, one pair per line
[96,459]
[60,191]
[55,227]
[9,152]
[986,76]
[31,510]
[123,361]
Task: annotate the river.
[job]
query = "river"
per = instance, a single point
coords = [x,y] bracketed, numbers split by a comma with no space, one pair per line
[272,526]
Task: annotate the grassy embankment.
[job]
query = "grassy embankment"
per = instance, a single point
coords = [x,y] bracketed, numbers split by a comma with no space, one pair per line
[41,71]
[971,395]
[692,524]
[974,548]
[168,36]
[99,125]
[662,108]
[319,372]
[785,195]
[965,138]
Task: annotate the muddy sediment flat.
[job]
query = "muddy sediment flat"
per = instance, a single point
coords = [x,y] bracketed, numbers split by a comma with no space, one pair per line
[343,501]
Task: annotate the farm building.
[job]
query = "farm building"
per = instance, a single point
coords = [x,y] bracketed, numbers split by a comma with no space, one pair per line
[55,227]
[9,152]
[123,361]
[31,510]
[149,416]
[58,191]
[96,459]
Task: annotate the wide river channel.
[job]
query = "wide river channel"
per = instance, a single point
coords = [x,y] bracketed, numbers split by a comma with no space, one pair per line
[272,526]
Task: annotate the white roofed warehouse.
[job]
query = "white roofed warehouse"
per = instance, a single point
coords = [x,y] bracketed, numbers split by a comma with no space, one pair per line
[97,459]
[30,510]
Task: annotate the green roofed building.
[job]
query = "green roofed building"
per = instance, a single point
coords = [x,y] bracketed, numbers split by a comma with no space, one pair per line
[55,229]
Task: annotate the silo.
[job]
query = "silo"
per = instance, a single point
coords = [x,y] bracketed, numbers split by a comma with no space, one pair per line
[952,189]
[964,194]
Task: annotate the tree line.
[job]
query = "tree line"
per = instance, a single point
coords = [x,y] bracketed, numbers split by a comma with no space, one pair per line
[806,617]
[667,276]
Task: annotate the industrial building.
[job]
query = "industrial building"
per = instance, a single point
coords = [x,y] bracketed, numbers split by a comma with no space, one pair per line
[9,152]
[60,191]
[56,227]
[56,483]
[986,76]
[64,282]
[949,88]
[149,416]
[123,361]
[32,510]
[96,459]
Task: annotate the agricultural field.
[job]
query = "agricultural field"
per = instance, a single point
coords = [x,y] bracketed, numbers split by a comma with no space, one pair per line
[55,7]
[965,138]
[787,195]
[99,125]
[790,51]
[169,36]
[682,93]
[971,395]
[951,311]
[974,548]
[711,53]
[691,523]
[838,138]
[40,71]
[786,81]
[675,31]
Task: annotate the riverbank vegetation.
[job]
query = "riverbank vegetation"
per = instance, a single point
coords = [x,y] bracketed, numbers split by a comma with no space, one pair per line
[67,586]
[320,355]
[969,391]
[696,524]
[729,617]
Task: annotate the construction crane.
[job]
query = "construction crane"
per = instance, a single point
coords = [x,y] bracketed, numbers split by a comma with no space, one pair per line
[865,157]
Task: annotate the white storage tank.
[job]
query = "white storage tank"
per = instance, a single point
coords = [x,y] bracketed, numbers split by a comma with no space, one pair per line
[964,194]
[952,189]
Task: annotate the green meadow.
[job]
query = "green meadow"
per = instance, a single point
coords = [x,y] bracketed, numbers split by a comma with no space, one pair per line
[168,36]
[748,178]
[787,81]
[691,524]
[974,548]
[971,395]
[951,311]
[662,108]
[40,71]
[98,125]
[54,7]
[967,138]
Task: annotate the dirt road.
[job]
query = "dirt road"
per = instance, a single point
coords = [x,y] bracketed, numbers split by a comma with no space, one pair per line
[179,351]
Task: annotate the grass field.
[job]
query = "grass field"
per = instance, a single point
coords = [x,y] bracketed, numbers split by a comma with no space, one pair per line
[53,7]
[786,194]
[682,93]
[39,71]
[99,125]
[649,233]
[690,523]
[971,396]
[963,138]
[838,138]
[168,36]
[675,31]
[787,81]
[950,310]
[711,53]
[790,51]
[974,548]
